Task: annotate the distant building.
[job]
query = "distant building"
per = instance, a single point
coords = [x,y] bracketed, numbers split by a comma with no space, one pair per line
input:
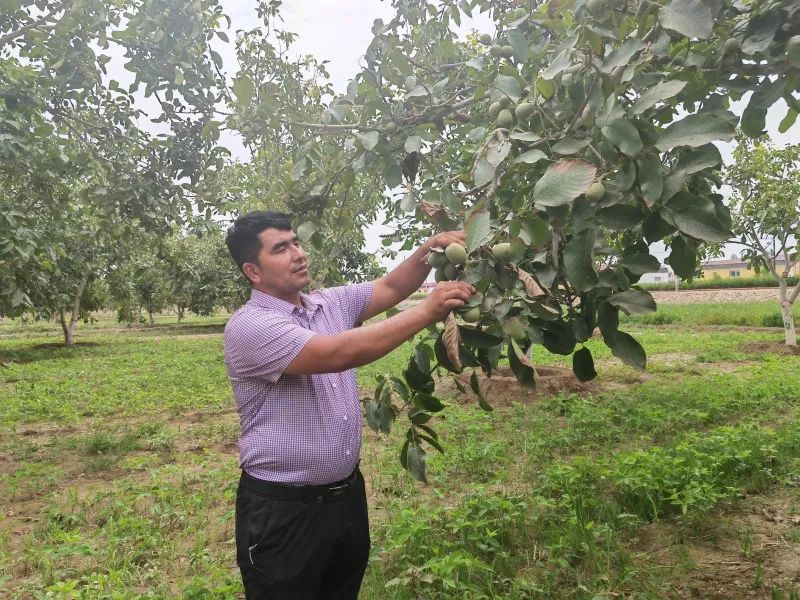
[733,267]
[663,275]
[426,287]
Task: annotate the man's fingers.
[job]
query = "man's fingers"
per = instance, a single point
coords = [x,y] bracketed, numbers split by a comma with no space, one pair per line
[453,303]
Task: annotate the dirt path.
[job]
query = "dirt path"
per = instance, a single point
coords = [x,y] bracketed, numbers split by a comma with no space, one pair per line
[735,296]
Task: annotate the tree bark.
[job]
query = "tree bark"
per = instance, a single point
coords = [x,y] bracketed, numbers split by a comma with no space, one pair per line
[181,309]
[786,313]
[69,328]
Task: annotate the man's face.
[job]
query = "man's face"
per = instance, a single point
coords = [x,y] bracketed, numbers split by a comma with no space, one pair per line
[282,264]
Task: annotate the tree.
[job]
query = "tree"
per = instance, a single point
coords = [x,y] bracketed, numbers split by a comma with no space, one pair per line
[60,113]
[578,134]
[766,215]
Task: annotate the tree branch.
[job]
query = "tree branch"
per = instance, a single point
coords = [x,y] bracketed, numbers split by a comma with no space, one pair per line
[12,35]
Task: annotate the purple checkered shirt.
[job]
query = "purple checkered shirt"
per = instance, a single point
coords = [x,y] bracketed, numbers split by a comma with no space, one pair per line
[298,429]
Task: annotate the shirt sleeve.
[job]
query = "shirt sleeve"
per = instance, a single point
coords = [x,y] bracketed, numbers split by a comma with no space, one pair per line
[262,347]
[353,300]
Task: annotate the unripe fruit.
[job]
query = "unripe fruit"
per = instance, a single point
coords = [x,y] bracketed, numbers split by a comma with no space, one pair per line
[485,39]
[507,51]
[391,127]
[732,46]
[494,110]
[514,328]
[456,254]
[439,275]
[595,192]
[505,101]
[793,50]
[437,260]
[472,315]
[524,110]
[502,251]
[596,7]
[410,83]
[450,272]
[505,119]
[496,50]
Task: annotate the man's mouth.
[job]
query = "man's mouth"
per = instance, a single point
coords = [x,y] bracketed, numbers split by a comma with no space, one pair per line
[301,269]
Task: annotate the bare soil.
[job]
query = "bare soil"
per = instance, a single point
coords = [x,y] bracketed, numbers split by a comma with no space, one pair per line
[734,296]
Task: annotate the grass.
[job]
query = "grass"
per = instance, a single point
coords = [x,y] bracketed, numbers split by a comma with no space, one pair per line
[120,467]
[752,314]
[711,283]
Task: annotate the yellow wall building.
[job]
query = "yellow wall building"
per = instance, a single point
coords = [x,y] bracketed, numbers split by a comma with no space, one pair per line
[737,268]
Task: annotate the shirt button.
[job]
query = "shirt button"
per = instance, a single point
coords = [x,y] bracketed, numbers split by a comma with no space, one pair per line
[347,453]
[335,385]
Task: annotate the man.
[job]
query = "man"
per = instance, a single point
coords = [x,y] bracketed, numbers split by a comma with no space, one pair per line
[301,511]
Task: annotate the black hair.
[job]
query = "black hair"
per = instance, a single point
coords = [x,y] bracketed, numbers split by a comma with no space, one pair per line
[242,238]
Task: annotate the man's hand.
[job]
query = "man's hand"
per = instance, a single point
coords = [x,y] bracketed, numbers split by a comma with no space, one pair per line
[443,240]
[446,296]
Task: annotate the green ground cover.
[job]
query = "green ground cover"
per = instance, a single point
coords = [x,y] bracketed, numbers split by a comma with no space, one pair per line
[119,467]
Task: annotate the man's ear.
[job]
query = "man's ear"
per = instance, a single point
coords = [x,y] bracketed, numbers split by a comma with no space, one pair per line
[252,272]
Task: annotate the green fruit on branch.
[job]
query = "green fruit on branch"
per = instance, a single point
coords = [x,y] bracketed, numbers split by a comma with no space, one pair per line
[514,328]
[502,251]
[731,46]
[494,110]
[496,50]
[456,254]
[505,101]
[450,272]
[505,119]
[507,51]
[524,111]
[595,192]
[390,127]
[437,259]
[485,39]
[596,7]
[439,276]
[793,50]
[471,315]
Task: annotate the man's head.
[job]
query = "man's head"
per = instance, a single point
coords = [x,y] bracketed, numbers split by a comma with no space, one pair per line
[268,252]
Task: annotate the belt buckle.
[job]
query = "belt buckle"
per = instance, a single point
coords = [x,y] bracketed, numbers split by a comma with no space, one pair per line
[338,490]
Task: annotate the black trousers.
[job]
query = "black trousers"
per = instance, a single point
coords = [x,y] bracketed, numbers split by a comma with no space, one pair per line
[301,543]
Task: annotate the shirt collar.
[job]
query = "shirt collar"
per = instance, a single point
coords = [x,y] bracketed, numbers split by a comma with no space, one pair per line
[264,300]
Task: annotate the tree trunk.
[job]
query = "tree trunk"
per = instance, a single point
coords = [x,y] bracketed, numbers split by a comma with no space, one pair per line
[181,308]
[786,313]
[150,315]
[69,328]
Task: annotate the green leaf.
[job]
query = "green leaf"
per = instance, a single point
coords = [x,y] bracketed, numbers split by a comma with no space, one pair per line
[370,139]
[619,216]
[568,146]
[640,264]
[682,258]
[475,338]
[583,365]
[651,178]
[633,302]
[626,176]
[525,136]
[243,88]
[693,161]
[521,366]
[622,56]
[413,144]
[608,321]
[476,388]
[428,403]
[579,261]
[415,458]
[393,175]
[508,85]
[478,227]
[563,181]
[530,157]
[691,18]
[623,134]
[628,350]
[788,120]
[699,224]
[658,93]
[559,338]
[696,130]
[305,231]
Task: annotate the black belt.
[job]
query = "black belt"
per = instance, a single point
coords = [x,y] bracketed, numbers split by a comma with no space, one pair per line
[299,493]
